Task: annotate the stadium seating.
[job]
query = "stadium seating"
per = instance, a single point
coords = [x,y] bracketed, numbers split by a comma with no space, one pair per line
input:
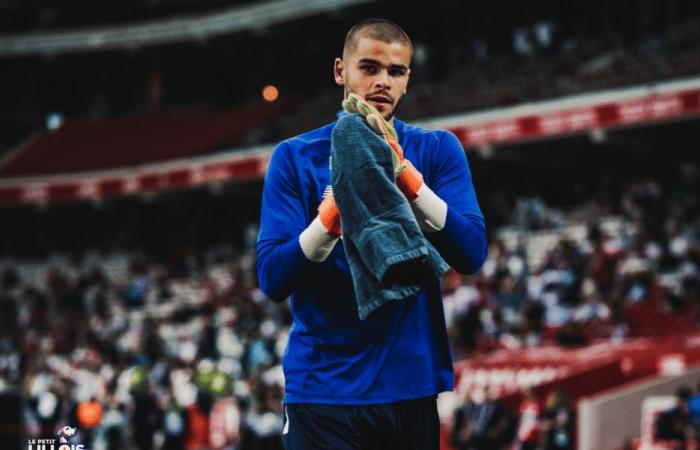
[90,145]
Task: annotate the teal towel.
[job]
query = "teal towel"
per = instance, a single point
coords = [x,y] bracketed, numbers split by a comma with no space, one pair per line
[388,255]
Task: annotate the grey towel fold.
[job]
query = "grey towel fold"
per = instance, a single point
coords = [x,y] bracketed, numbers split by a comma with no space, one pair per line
[388,255]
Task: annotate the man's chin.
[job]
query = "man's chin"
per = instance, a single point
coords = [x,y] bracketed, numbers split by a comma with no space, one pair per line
[390,114]
[386,111]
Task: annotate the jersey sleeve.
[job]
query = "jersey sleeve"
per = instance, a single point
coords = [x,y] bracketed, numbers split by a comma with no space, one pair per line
[462,241]
[280,261]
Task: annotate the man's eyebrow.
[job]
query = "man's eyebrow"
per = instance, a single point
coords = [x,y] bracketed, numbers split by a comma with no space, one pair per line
[377,63]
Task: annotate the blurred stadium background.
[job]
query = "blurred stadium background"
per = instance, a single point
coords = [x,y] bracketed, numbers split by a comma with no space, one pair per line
[134,137]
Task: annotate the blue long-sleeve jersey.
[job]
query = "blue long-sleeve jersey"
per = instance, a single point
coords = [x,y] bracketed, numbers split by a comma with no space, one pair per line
[401,350]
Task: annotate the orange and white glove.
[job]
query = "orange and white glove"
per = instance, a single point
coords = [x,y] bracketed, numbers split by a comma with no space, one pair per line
[429,209]
[408,179]
[329,215]
[319,238]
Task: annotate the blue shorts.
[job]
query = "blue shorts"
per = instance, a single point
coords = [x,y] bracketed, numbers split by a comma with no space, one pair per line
[406,425]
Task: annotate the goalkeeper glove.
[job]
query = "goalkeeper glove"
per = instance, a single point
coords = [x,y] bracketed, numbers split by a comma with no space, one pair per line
[328,213]
[429,209]
[408,179]
[319,238]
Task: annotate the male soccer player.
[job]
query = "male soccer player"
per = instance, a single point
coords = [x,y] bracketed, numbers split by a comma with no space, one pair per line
[350,383]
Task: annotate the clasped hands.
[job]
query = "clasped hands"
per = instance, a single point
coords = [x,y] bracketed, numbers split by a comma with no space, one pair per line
[408,179]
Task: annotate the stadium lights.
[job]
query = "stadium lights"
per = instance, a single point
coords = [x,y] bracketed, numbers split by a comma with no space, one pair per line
[485,151]
[270,93]
[54,120]
[598,135]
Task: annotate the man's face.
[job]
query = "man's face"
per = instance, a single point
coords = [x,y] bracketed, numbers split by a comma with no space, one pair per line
[377,72]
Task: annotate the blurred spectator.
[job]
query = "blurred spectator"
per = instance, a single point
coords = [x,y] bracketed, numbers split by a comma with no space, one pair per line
[146,419]
[528,432]
[174,427]
[198,422]
[264,422]
[694,411]
[557,422]
[675,424]
[481,423]
[114,428]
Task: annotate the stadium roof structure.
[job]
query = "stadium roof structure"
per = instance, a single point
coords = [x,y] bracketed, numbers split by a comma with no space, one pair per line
[164,31]
[30,175]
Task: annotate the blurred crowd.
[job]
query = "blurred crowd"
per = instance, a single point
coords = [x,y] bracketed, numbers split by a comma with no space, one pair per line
[568,278]
[142,355]
[678,427]
[669,422]
[481,423]
[184,352]
[549,424]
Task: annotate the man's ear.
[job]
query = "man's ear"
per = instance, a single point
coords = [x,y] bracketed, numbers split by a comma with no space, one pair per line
[339,71]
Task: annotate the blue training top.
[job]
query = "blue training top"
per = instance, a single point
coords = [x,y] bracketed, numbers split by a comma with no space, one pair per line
[400,351]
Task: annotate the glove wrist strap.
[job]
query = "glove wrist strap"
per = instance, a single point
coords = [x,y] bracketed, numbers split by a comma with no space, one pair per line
[429,209]
[316,242]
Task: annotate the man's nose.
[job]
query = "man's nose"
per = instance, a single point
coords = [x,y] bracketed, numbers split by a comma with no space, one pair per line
[382,80]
